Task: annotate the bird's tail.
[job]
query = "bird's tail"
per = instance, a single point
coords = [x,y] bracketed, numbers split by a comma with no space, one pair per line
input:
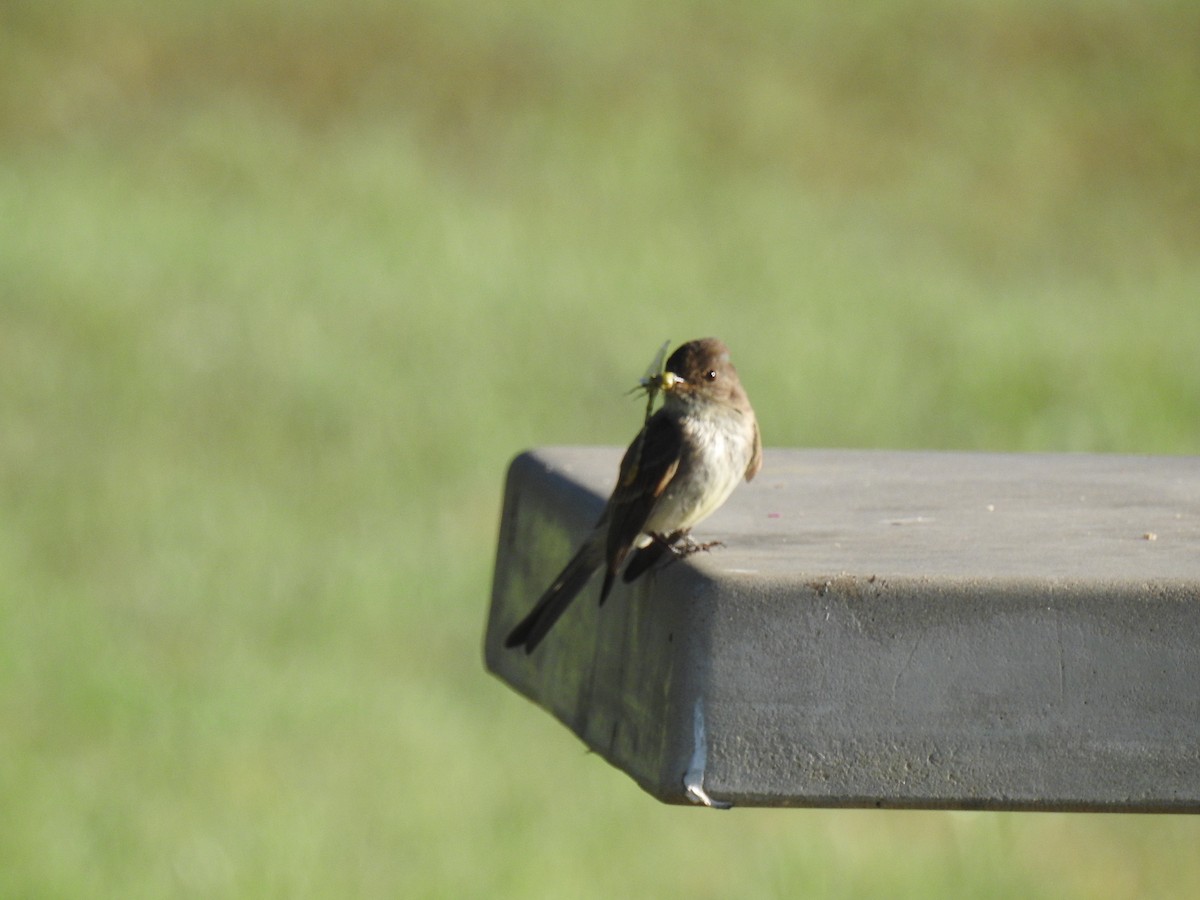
[556,598]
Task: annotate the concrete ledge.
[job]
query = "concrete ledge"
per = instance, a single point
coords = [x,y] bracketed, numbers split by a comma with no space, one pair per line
[974,631]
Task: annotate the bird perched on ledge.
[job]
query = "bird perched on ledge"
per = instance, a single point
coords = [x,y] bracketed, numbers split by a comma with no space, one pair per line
[683,464]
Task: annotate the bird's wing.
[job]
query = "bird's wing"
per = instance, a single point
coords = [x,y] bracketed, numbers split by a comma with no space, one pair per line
[756,459]
[647,468]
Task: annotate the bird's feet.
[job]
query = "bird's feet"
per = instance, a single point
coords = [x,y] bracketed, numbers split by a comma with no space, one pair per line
[687,546]
[681,544]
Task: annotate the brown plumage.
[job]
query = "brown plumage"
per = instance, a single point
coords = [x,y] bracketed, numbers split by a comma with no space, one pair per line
[679,469]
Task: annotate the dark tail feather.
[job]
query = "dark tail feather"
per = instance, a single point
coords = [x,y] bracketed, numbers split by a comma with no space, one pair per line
[644,558]
[554,602]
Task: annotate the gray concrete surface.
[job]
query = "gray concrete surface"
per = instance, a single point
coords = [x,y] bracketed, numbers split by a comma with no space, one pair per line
[976,631]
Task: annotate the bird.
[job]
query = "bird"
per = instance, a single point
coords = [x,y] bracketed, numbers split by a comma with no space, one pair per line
[678,470]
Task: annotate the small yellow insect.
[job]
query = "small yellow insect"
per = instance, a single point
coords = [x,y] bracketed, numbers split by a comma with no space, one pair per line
[655,378]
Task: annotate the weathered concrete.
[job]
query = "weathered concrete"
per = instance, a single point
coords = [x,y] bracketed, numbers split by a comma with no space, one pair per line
[883,629]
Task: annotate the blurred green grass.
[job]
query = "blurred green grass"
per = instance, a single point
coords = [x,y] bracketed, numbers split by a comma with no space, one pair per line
[284,286]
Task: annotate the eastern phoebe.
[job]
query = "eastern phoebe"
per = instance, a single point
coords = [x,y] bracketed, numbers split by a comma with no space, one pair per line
[680,468]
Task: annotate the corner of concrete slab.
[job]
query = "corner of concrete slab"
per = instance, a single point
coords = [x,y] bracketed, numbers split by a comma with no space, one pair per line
[971,631]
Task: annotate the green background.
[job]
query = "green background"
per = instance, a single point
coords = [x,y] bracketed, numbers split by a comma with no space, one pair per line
[284,286]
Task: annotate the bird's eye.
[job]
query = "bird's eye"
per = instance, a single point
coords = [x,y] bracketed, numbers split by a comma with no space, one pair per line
[711,374]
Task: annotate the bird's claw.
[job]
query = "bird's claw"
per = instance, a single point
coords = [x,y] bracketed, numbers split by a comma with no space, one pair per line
[682,545]
[690,546]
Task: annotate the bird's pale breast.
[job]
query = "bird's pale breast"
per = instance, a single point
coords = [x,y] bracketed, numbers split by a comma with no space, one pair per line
[717,450]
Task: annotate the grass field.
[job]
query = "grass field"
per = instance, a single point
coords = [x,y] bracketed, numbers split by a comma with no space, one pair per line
[283,286]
